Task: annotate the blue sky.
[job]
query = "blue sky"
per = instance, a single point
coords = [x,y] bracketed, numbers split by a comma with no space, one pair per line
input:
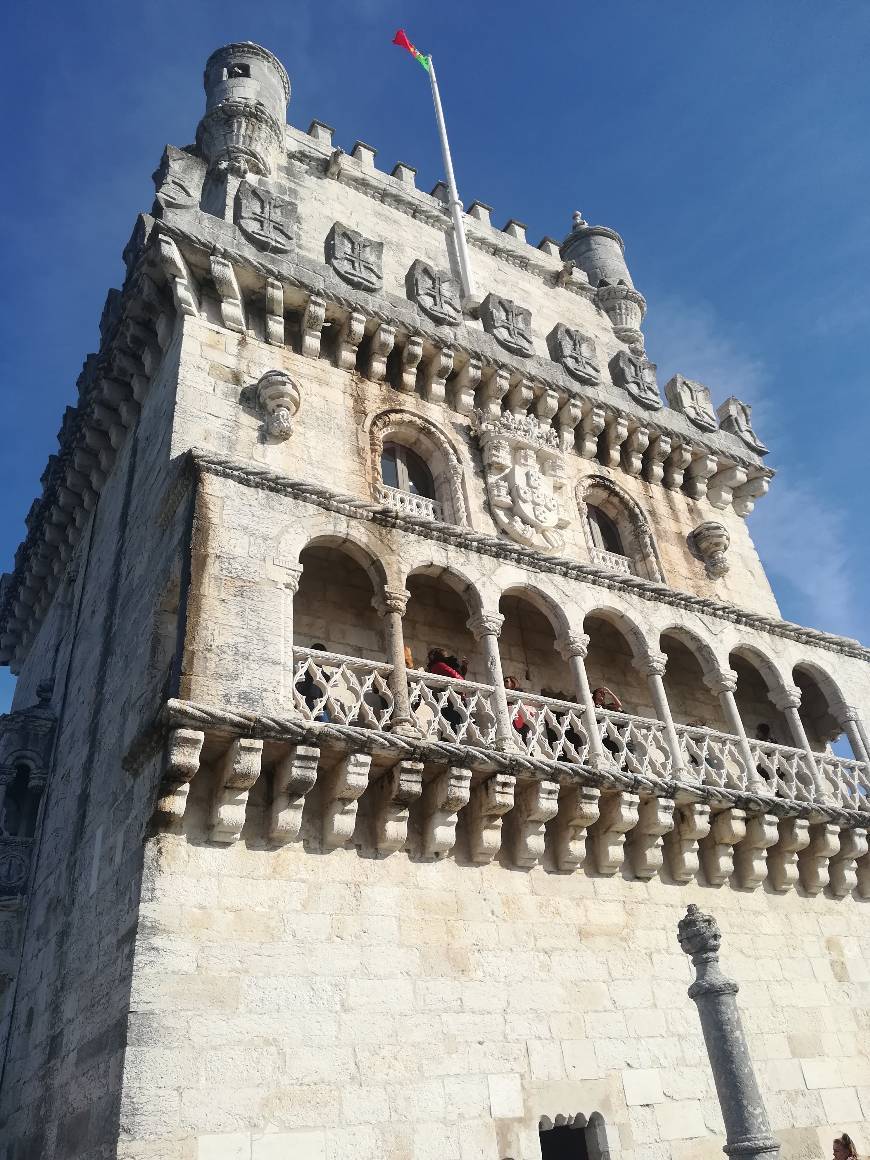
[727,143]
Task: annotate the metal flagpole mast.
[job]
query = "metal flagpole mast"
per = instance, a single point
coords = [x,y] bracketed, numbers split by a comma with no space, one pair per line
[455,204]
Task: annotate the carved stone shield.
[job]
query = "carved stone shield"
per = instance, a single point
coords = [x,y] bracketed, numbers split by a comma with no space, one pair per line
[178,180]
[437,294]
[576,353]
[736,416]
[358,260]
[533,498]
[693,400]
[265,218]
[633,371]
[510,325]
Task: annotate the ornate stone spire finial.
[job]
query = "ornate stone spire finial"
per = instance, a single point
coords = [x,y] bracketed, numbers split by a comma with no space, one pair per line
[578,220]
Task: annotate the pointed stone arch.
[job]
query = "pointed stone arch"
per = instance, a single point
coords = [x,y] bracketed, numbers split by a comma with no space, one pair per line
[434,448]
[631,522]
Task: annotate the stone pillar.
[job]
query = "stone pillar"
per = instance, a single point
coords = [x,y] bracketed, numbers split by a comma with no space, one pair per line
[653,666]
[290,577]
[723,685]
[573,648]
[7,774]
[486,627]
[391,605]
[849,721]
[746,1125]
[787,700]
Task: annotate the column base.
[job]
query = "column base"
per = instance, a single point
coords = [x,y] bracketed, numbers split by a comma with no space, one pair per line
[753,1148]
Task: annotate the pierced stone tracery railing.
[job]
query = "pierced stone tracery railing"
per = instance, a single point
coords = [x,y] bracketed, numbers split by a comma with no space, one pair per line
[636,744]
[612,561]
[346,690]
[545,727]
[449,710]
[849,780]
[408,503]
[786,771]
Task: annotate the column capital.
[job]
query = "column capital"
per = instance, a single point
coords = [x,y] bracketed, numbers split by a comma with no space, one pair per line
[391,600]
[843,713]
[7,773]
[785,697]
[721,682]
[651,664]
[485,624]
[572,644]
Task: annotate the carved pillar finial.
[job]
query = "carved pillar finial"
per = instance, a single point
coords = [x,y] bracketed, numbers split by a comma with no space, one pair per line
[746,1124]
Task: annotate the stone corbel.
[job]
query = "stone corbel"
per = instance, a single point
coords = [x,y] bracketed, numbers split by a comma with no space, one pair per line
[814,860]
[490,801]
[342,789]
[746,495]
[618,814]
[435,374]
[237,773]
[183,751]
[782,859]
[274,312]
[465,384]
[227,285]
[567,418]
[349,337]
[676,464]
[633,449]
[615,433]
[412,352]
[292,779]
[279,396]
[534,805]
[698,473]
[644,845]
[591,426]
[750,860]
[727,830]
[312,325]
[842,869]
[654,464]
[519,397]
[721,487]
[184,291]
[566,833]
[443,797]
[392,798]
[691,827]
[382,343]
[546,406]
[495,386]
[862,870]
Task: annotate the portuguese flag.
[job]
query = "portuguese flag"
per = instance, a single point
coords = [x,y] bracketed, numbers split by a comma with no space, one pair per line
[401,39]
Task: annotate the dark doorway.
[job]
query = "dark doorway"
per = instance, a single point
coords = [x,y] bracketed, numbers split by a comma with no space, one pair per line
[564,1143]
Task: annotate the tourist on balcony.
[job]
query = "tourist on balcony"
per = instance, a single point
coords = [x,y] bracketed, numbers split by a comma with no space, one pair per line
[569,733]
[444,664]
[763,734]
[604,698]
[523,718]
[844,1148]
[312,693]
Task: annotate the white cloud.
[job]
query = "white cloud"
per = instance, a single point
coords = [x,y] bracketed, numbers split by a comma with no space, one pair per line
[802,538]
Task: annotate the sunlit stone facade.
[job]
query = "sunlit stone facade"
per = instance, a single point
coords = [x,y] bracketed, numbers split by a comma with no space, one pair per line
[269,887]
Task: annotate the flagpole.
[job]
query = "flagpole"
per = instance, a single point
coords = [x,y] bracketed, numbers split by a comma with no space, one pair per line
[456,210]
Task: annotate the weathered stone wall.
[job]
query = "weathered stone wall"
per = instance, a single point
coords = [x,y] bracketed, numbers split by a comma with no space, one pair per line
[105,643]
[291,1003]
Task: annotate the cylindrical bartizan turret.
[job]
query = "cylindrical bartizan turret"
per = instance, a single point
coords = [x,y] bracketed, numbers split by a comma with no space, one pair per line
[247,90]
[600,253]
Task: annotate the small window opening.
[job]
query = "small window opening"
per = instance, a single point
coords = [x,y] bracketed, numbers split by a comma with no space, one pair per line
[564,1142]
[15,815]
[403,468]
[605,534]
[235,71]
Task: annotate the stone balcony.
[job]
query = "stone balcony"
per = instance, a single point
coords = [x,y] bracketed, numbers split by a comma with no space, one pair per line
[611,561]
[409,504]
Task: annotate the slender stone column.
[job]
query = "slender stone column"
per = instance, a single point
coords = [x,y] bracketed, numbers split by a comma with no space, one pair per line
[653,666]
[573,649]
[747,1129]
[486,627]
[7,775]
[290,577]
[391,605]
[848,719]
[787,700]
[723,685]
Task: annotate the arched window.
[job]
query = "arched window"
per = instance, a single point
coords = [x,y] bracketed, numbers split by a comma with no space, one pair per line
[404,469]
[15,813]
[604,532]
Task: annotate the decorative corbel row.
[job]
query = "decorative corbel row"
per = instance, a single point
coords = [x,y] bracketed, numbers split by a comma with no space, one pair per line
[682,844]
[842,869]
[178,275]
[237,773]
[578,811]
[312,325]
[490,801]
[727,830]
[750,859]
[183,750]
[782,857]
[465,385]
[535,804]
[292,779]
[227,286]
[443,797]
[393,796]
[342,788]
[618,814]
[412,352]
[349,337]
[814,860]
[274,312]
[382,343]
[435,374]
[645,843]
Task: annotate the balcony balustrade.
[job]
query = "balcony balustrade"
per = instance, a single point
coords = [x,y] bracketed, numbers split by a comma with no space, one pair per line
[612,561]
[331,687]
[407,503]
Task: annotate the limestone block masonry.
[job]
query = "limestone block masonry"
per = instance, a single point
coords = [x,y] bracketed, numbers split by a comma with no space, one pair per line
[279,880]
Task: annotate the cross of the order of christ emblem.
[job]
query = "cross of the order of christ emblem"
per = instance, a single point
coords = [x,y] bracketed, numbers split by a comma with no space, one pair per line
[633,371]
[265,218]
[435,293]
[358,260]
[510,325]
[576,353]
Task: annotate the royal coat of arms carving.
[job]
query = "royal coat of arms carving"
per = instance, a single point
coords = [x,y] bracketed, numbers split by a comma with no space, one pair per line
[356,259]
[510,325]
[437,294]
[525,476]
[576,353]
[693,400]
[265,218]
[633,371]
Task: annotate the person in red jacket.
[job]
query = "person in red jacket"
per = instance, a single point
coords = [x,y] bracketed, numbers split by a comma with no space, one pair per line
[443,665]
[523,717]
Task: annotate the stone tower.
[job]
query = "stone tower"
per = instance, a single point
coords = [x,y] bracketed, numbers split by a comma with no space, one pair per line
[277,880]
